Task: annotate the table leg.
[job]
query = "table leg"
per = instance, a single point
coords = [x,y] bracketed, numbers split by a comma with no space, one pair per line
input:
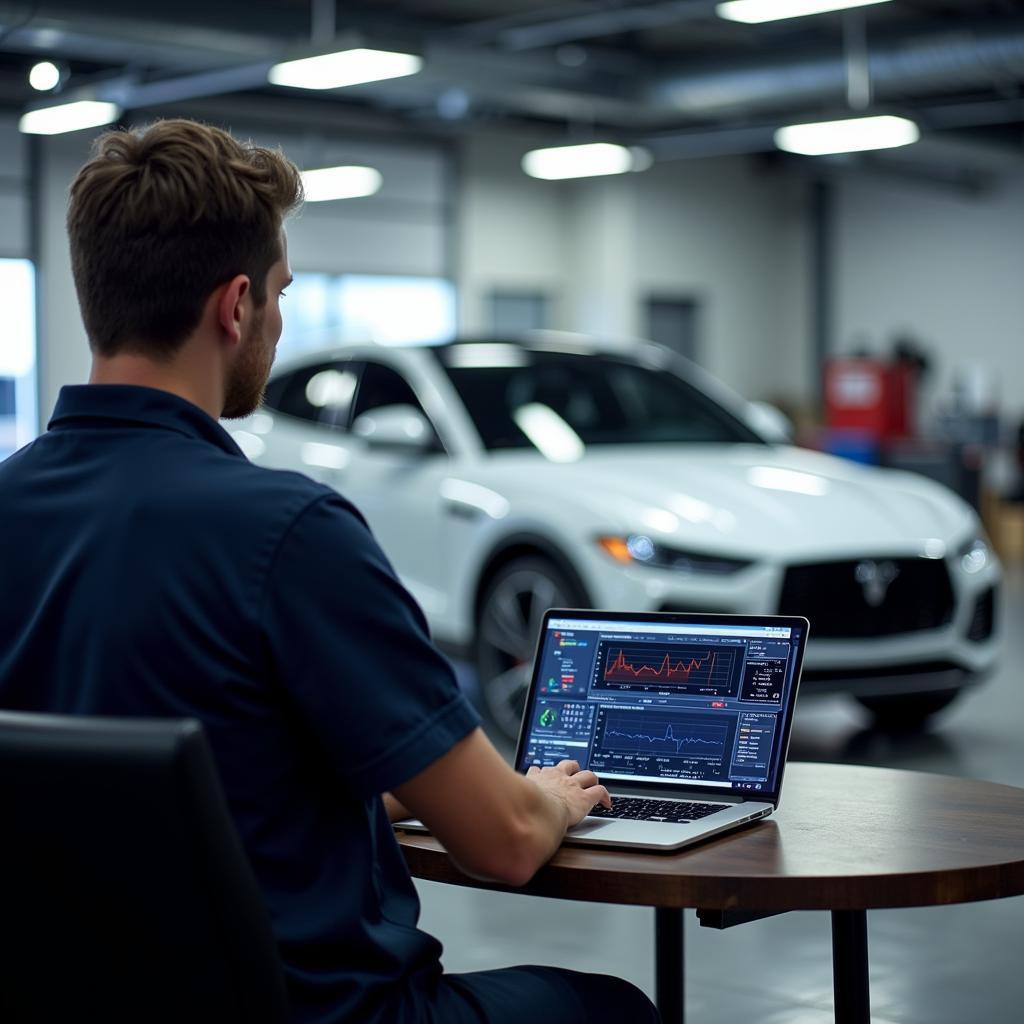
[850,966]
[669,965]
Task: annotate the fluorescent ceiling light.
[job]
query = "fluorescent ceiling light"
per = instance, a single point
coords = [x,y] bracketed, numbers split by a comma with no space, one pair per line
[347,67]
[68,117]
[44,76]
[854,135]
[754,12]
[349,182]
[584,161]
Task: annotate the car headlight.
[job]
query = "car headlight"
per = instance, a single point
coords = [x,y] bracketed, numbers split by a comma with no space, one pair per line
[641,549]
[975,555]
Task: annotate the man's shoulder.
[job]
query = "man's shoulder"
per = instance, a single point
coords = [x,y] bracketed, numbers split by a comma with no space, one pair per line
[258,491]
[247,476]
[178,481]
[13,464]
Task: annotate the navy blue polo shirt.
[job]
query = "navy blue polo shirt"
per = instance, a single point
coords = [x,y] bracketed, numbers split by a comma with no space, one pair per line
[148,568]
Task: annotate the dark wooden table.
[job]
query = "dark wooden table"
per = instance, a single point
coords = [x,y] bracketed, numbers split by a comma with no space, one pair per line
[846,839]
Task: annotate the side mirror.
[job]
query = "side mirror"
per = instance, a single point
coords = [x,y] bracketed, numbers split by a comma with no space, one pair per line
[771,423]
[395,428]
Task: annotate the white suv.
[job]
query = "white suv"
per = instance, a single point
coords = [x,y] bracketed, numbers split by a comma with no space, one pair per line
[506,477]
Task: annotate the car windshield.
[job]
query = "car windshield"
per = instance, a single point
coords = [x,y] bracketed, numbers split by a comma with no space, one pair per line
[525,398]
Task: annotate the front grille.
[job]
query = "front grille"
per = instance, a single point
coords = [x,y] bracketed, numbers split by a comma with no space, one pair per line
[869,597]
[843,675]
[983,617]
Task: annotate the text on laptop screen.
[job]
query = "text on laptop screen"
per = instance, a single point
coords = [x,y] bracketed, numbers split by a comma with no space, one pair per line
[659,702]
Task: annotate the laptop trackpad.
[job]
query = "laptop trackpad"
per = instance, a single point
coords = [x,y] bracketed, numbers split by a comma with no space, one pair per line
[618,831]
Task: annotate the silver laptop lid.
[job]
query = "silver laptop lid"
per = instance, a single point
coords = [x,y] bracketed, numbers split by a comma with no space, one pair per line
[702,702]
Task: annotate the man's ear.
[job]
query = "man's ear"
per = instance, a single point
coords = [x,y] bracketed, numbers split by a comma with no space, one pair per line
[230,307]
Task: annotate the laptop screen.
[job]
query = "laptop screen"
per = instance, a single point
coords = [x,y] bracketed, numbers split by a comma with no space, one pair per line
[701,700]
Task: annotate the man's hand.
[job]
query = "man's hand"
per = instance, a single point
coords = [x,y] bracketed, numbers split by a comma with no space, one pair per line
[495,823]
[577,791]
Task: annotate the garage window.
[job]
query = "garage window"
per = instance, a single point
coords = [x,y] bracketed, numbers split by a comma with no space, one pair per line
[323,310]
[18,403]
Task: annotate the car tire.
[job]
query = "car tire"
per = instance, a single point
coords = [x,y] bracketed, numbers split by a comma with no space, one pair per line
[511,610]
[907,712]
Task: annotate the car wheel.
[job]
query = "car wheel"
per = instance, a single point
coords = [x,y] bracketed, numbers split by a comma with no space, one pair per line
[904,712]
[511,611]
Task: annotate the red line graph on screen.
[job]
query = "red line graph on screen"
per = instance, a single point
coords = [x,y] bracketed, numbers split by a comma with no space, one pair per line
[621,670]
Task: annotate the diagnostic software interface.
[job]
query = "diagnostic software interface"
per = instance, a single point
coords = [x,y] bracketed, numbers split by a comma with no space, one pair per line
[652,702]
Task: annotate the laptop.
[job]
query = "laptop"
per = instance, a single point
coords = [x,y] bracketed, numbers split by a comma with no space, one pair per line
[684,717]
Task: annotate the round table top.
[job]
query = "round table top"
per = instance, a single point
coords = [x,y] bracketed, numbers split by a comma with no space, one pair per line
[845,837]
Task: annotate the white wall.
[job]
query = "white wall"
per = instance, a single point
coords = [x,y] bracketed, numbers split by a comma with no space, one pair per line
[14,223]
[400,230]
[510,230]
[713,229]
[943,267]
[603,255]
[63,347]
[15,243]
[737,237]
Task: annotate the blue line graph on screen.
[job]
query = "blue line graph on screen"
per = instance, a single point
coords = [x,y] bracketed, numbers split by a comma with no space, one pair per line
[660,734]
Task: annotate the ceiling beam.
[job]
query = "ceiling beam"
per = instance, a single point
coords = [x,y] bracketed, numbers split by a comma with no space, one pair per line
[908,65]
[639,97]
[573,25]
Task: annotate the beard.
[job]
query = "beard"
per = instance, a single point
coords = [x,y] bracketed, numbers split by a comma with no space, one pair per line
[247,378]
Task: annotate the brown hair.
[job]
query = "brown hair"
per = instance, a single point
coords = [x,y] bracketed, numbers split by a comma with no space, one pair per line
[162,215]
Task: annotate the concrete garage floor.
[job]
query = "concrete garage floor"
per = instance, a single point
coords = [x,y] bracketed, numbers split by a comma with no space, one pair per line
[935,965]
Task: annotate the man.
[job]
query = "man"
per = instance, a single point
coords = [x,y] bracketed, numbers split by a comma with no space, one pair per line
[159,573]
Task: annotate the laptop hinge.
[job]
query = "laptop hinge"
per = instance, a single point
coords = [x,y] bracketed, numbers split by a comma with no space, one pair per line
[677,793]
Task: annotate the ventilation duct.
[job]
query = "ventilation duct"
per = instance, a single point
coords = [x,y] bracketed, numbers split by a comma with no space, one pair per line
[948,62]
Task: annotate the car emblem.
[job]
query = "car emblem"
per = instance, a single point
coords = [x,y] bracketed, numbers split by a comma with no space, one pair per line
[874,579]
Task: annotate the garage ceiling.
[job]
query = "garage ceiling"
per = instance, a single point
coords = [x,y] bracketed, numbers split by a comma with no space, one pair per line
[671,75]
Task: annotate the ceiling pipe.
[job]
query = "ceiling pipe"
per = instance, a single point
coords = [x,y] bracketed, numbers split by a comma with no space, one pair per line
[857,53]
[710,142]
[917,65]
[131,94]
[908,66]
[758,137]
[595,24]
[129,40]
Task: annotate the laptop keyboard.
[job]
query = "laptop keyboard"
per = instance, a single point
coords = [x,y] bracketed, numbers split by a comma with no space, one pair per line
[638,808]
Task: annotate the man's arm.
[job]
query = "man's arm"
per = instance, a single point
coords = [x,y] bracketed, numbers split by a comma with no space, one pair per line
[395,809]
[497,824]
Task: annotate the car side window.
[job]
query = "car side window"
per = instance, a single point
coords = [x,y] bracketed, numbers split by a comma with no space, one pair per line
[320,394]
[381,385]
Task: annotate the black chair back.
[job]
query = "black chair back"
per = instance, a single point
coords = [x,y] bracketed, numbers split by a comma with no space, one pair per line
[125,894]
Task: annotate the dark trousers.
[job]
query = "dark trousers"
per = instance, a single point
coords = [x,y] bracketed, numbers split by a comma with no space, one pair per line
[539,995]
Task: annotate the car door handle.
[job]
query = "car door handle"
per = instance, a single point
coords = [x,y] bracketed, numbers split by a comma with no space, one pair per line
[462,510]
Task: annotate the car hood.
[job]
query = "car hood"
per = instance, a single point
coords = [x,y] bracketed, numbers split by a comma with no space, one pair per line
[750,499]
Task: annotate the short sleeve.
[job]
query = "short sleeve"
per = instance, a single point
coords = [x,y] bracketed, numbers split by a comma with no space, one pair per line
[350,647]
